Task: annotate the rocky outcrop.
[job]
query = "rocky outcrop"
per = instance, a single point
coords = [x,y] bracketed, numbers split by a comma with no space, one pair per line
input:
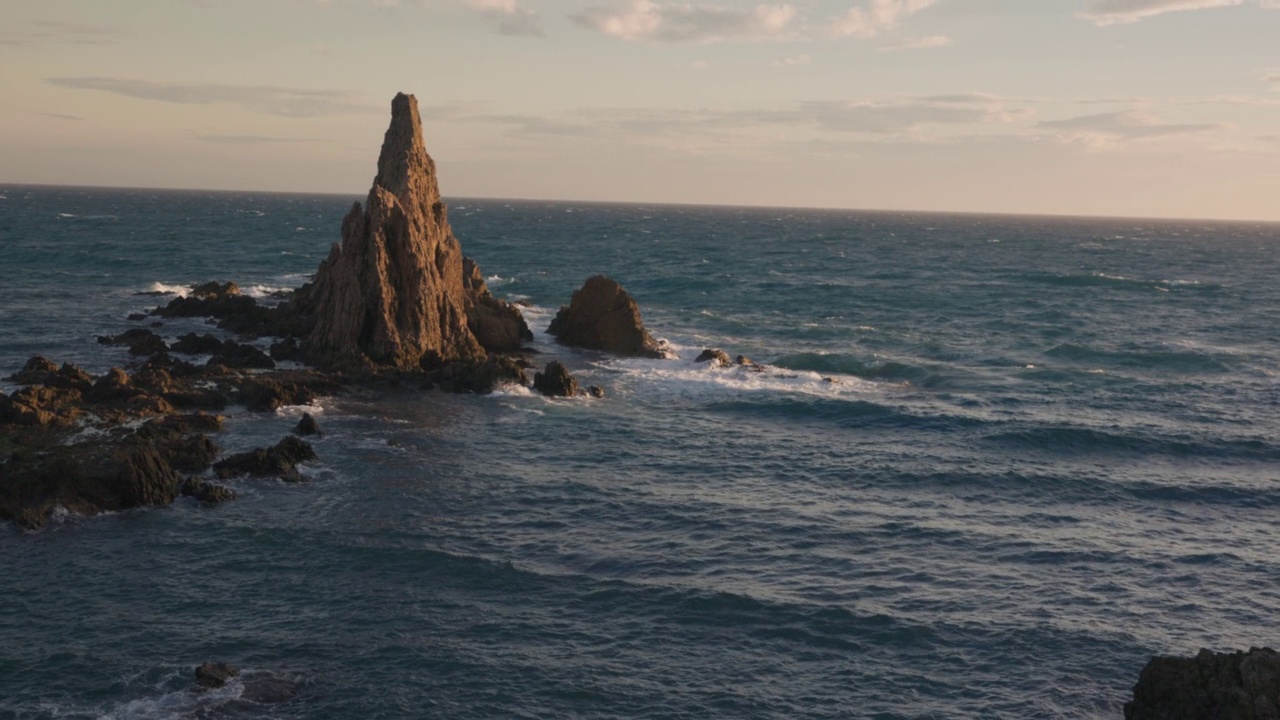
[391,293]
[602,316]
[715,356]
[206,492]
[280,461]
[1222,686]
[139,340]
[555,381]
[480,377]
[497,324]
[307,426]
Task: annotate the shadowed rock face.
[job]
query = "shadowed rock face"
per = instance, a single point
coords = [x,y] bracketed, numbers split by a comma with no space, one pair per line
[602,316]
[1229,686]
[391,293]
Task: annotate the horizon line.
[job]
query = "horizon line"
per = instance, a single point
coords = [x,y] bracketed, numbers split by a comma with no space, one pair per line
[739,206]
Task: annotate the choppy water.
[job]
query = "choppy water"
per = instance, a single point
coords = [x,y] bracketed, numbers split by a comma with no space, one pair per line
[1051,450]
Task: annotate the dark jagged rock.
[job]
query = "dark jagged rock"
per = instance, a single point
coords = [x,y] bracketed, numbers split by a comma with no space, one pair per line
[206,492]
[193,344]
[86,479]
[181,438]
[715,356]
[287,349]
[391,293]
[555,381]
[34,372]
[307,426]
[595,391]
[602,316]
[1217,686]
[114,385]
[168,363]
[240,356]
[280,461]
[266,393]
[215,675]
[744,361]
[139,340]
[497,324]
[212,299]
[480,377]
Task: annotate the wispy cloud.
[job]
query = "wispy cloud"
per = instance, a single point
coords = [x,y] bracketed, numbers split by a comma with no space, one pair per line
[250,139]
[1108,128]
[875,17]
[508,18]
[648,21]
[923,43]
[287,102]
[52,32]
[1117,12]
[794,61]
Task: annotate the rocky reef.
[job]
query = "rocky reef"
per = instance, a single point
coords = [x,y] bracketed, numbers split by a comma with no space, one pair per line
[394,303]
[1209,686]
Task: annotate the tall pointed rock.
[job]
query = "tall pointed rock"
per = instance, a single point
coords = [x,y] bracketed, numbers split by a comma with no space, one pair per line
[392,292]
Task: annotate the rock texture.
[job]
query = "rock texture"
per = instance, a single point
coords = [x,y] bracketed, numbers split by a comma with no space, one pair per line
[391,293]
[555,381]
[1210,686]
[602,316]
[497,324]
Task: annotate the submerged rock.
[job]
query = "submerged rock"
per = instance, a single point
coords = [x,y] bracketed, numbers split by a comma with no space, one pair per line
[206,492]
[392,293]
[602,316]
[215,675]
[193,344]
[1226,686]
[555,381]
[481,377]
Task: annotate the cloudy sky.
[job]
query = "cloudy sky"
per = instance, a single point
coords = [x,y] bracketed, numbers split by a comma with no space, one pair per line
[1096,107]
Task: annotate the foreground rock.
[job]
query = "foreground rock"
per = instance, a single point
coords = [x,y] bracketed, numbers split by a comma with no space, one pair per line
[1227,686]
[392,293]
[602,316]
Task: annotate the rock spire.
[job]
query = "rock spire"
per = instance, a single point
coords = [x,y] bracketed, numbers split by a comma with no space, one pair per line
[392,292]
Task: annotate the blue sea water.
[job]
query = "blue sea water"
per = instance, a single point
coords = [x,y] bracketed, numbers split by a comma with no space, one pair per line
[996,464]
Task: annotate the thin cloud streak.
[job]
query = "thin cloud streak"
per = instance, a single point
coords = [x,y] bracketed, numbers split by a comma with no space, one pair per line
[1123,12]
[268,100]
[648,21]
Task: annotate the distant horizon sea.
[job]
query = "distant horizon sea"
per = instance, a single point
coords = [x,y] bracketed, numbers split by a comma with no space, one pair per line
[992,464]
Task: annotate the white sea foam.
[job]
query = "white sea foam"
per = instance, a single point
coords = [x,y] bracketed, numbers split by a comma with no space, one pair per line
[179,290]
[66,215]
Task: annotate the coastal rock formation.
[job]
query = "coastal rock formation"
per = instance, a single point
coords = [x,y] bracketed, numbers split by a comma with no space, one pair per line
[391,293]
[555,381]
[497,324]
[307,426]
[602,316]
[139,340]
[715,356]
[1226,686]
[280,461]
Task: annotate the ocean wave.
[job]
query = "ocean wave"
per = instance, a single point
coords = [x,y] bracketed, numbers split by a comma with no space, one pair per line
[1084,441]
[168,289]
[843,364]
[1179,360]
[1116,281]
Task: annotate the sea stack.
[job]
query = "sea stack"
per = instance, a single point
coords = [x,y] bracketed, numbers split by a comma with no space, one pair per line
[391,294]
[603,316]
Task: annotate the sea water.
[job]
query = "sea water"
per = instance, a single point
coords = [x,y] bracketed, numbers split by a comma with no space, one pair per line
[993,464]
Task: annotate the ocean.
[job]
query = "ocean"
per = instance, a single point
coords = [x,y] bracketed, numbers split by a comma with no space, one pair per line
[994,464]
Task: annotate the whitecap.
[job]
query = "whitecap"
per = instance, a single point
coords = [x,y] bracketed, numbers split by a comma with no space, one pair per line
[66,215]
[167,289]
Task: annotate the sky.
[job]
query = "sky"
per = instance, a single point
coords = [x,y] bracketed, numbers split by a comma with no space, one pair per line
[1147,108]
